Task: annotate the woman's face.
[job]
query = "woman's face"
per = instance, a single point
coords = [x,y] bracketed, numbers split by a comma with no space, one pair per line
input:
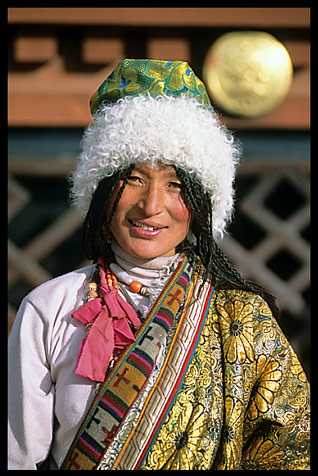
[152,217]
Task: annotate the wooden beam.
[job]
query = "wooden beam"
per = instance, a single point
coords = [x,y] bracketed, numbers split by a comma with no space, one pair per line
[291,114]
[49,109]
[72,110]
[168,49]
[166,17]
[102,50]
[34,49]
[42,167]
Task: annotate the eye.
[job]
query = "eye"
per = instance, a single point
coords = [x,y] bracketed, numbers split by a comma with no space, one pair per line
[175,185]
[134,179]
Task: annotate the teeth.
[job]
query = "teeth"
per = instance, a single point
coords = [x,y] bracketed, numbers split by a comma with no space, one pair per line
[144,227]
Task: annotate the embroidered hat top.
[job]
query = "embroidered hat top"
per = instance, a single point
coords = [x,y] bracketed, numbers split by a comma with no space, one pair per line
[133,77]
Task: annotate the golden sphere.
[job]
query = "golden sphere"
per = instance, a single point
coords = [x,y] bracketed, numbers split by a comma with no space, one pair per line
[248,73]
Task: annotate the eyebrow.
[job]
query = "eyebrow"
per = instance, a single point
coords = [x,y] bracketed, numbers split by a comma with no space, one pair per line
[172,173]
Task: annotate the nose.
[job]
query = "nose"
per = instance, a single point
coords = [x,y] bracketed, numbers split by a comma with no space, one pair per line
[152,201]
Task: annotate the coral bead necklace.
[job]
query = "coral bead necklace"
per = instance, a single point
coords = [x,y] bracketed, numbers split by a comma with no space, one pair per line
[111,279]
[134,285]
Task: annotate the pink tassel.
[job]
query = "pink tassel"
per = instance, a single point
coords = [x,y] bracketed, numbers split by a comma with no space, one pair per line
[110,316]
[88,311]
[96,350]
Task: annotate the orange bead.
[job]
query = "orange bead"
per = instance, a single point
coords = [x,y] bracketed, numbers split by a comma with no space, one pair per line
[115,282]
[92,294]
[135,286]
[92,286]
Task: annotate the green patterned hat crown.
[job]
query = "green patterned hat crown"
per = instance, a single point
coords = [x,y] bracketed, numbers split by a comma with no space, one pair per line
[134,77]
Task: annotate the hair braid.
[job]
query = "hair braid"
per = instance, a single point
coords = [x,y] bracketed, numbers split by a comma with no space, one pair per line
[118,196]
[213,258]
[94,236]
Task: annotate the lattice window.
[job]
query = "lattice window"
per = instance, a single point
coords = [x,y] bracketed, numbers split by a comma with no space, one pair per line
[270,233]
[43,230]
[269,239]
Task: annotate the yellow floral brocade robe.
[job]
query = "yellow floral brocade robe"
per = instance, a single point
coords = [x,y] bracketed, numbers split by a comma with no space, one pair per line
[244,400]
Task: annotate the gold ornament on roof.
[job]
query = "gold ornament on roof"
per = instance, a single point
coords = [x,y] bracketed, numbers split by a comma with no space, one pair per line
[248,73]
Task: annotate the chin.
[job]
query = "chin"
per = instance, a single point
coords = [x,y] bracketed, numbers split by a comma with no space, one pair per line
[149,252]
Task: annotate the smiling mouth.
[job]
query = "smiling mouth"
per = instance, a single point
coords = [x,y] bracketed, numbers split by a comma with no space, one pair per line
[143,226]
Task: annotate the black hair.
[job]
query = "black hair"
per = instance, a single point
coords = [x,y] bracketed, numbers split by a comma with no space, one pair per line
[96,228]
[96,231]
[213,258]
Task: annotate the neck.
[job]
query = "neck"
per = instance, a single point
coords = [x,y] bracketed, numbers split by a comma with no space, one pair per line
[145,269]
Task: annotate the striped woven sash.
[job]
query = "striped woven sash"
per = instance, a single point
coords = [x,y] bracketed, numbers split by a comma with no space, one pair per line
[132,454]
[128,377]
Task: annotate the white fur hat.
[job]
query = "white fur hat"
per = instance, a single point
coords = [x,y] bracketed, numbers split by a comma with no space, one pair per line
[146,128]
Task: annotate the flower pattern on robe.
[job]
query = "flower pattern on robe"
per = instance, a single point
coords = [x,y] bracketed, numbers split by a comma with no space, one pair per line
[268,385]
[245,393]
[237,329]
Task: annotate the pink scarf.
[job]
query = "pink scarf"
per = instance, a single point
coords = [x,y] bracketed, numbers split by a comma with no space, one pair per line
[109,316]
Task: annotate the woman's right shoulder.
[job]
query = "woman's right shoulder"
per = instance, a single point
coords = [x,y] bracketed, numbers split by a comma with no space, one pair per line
[61,287]
[51,304]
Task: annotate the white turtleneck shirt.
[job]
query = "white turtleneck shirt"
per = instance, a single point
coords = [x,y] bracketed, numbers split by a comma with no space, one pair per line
[152,273]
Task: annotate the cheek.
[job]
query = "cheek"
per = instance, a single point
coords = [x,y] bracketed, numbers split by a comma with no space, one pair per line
[182,214]
[119,218]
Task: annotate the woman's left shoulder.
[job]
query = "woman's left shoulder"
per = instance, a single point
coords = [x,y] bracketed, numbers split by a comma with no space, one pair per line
[244,312]
[248,329]
[240,299]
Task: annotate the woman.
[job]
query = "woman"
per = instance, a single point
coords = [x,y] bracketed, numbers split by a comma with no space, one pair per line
[159,355]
